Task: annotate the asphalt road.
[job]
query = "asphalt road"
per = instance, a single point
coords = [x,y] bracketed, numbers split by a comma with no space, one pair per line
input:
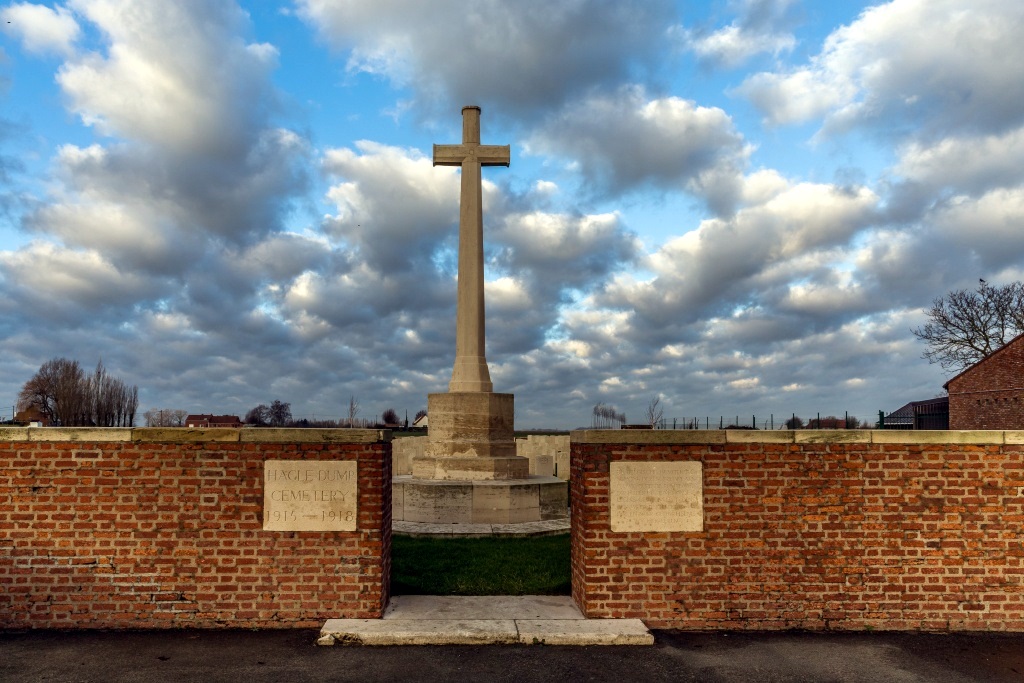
[251,656]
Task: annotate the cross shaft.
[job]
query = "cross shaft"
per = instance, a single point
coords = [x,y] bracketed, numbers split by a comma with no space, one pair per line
[470,372]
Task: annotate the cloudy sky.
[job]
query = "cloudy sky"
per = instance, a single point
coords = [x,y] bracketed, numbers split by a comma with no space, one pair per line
[738,206]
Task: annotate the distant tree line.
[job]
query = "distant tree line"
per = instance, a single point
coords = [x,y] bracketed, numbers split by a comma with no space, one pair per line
[67,396]
[607,416]
[165,417]
[279,414]
[829,422]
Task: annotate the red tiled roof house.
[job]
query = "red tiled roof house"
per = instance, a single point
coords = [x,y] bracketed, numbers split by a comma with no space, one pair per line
[213,421]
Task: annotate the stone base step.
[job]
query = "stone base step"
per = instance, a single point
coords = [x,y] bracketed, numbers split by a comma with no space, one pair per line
[480,620]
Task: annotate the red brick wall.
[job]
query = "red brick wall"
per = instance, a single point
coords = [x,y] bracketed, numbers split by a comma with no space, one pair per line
[144,532]
[834,535]
[990,395]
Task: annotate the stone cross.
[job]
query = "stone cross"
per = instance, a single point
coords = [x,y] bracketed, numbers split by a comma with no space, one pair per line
[470,373]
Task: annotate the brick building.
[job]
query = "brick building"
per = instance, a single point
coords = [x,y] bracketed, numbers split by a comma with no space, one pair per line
[990,393]
[197,421]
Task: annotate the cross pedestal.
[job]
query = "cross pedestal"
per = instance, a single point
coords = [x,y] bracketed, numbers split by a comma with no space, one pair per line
[471,437]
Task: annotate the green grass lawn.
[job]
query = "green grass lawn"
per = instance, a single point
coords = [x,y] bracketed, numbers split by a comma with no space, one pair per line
[480,566]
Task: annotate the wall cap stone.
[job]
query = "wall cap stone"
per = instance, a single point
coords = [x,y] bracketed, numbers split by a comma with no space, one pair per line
[590,436]
[1014,437]
[924,436]
[648,436]
[299,435]
[193,435]
[833,436]
[185,434]
[758,436]
[90,434]
[642,437]
[13,433]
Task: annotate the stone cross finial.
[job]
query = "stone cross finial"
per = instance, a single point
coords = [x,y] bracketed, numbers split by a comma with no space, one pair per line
[470,372]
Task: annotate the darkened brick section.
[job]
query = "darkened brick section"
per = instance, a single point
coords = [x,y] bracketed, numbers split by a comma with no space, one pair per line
[145,533]
[990,394]
[816,536]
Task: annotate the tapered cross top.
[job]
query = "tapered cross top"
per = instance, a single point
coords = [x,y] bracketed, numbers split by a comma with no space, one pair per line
[470,372]
[471,149]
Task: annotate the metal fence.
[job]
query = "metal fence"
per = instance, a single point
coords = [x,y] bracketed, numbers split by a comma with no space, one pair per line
[771,421]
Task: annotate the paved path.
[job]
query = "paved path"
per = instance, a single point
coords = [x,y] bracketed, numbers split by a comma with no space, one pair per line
[255,656]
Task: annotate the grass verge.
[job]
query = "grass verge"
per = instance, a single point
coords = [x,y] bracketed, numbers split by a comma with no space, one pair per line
[480,566]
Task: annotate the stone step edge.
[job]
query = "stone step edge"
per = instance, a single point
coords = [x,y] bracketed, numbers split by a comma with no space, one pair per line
[485,632]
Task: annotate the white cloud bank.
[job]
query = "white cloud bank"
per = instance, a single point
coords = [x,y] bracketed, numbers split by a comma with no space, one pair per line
[164,243]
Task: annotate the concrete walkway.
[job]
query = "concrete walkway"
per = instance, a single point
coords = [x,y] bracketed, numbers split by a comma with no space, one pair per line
[473,620]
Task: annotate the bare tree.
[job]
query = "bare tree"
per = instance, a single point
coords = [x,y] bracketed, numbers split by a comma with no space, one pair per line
[40,391]
[963,327]
[389,417]
[112,402]
[655,412]
[280,413]
[67,396]
[70,393]
[353,410]
[163,417]
[606,416]
[258,416]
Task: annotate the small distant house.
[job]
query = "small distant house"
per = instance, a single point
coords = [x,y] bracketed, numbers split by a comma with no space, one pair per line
[32,416]
[929,414]
[990,393]
[420,422]
[213,421]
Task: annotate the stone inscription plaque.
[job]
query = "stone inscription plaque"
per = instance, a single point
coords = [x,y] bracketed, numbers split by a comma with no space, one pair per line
[657,496]
[307,495]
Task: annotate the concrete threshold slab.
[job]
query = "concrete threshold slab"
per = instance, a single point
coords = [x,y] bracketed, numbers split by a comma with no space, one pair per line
[480,620]
[550,527]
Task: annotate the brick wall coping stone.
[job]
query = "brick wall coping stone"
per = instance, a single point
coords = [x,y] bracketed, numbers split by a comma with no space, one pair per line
[724,436]
[190,435]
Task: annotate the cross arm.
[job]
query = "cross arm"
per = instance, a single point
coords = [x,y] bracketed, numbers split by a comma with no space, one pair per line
[486,155]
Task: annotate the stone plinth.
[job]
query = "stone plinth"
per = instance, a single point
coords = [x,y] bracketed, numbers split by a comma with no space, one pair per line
[471,438]
[470,468]
[470,473]
[508,501]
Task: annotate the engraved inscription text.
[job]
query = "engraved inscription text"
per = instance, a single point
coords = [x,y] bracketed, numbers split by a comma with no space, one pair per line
[656,496]
[305,495]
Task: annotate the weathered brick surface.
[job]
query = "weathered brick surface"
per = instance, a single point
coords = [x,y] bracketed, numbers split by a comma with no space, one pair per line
[148,534]
[990,395]
[827,535]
